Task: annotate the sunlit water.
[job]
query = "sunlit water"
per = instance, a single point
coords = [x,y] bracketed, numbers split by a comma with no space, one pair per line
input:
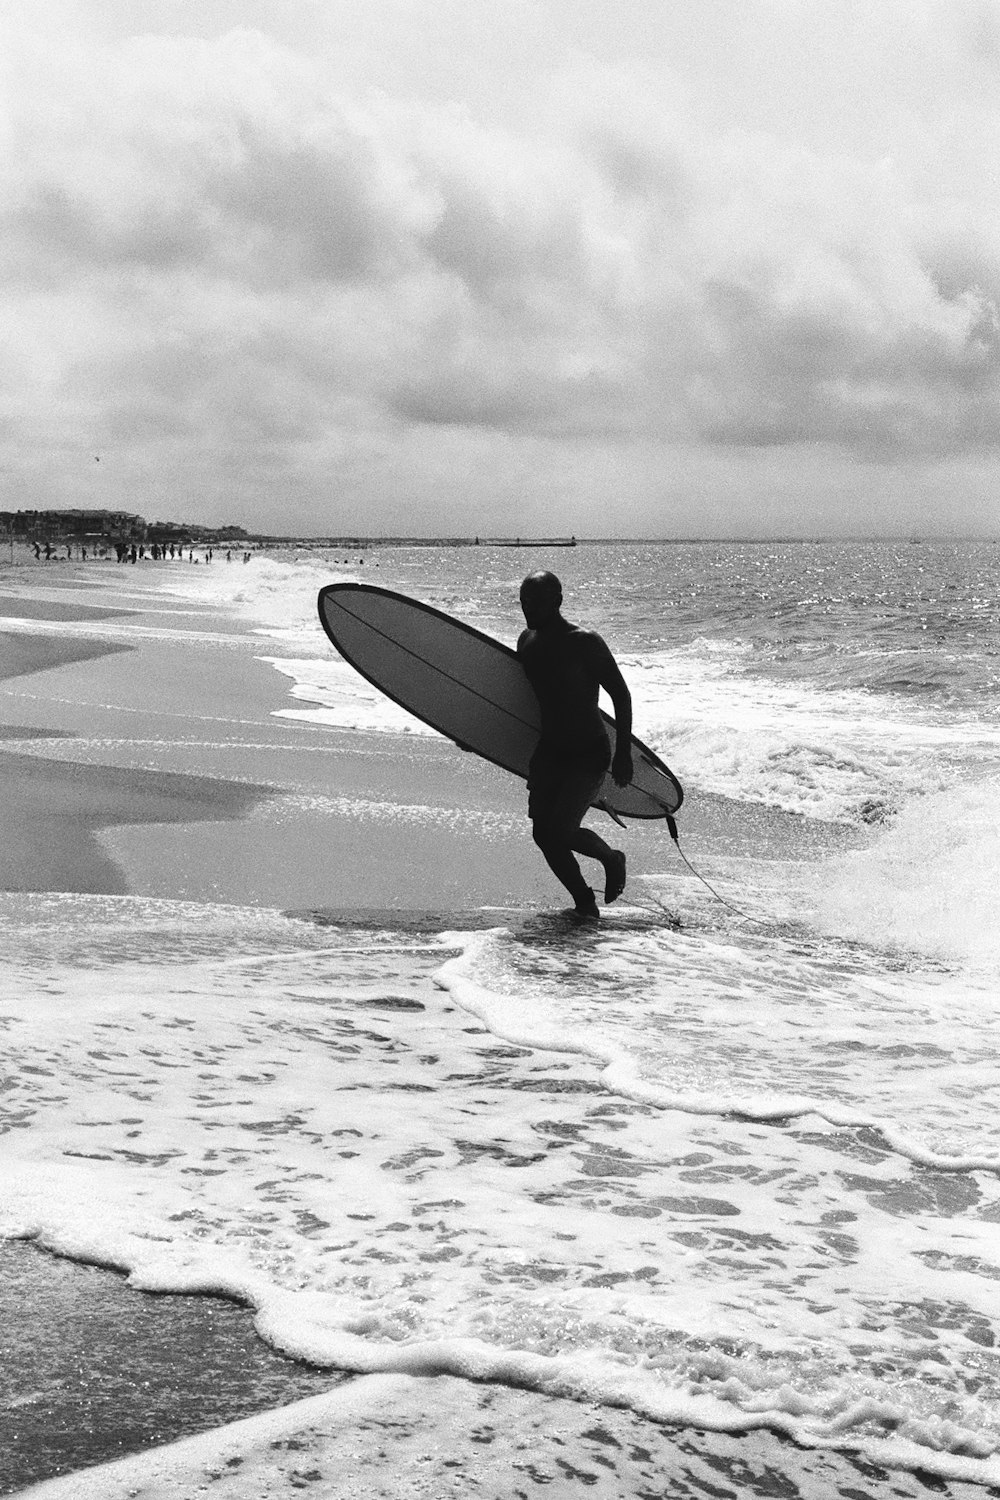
[721,1172]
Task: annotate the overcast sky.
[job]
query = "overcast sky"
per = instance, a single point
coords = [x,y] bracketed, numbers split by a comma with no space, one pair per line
[611,267]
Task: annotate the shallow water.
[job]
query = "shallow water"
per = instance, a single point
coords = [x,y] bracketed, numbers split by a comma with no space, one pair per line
[93,1370]
[720,1170]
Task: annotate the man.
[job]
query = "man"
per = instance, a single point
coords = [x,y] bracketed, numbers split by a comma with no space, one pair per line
[567,667]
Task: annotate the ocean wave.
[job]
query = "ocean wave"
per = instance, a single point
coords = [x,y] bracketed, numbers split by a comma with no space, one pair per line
[930,883]
[839,736]
[841,756]
[275,595]
[835,757]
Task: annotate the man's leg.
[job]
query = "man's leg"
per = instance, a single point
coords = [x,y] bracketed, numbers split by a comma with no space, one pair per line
[586,841]
[559,858]
[556,812]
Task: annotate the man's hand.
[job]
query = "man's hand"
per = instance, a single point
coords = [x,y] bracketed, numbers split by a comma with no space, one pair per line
[621,766]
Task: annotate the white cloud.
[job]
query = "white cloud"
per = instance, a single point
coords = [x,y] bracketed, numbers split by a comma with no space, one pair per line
[208,241]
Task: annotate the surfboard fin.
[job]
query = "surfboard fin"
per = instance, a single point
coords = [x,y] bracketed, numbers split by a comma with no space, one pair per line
[671,822]
[604,806]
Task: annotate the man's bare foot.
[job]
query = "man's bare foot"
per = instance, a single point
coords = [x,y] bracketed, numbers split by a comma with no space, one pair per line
[614,876]
[586,909]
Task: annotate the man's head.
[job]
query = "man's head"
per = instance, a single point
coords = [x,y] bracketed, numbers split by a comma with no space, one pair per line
[541,599]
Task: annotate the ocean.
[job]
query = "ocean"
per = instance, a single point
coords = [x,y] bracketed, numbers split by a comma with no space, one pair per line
[726,1165]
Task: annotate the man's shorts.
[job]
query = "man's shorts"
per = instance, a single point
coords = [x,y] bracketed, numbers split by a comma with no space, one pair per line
[562,787]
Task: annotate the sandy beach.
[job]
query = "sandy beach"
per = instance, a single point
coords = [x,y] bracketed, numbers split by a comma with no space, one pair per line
[150,760]
[166,760]
[156,767]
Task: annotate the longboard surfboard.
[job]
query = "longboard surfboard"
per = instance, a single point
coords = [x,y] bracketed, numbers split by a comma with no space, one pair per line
[468,686]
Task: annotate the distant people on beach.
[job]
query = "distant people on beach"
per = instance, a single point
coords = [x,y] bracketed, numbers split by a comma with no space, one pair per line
[567,667]
[128,552]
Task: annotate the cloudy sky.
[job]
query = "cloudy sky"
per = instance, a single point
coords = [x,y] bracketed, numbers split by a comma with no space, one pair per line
[611,267]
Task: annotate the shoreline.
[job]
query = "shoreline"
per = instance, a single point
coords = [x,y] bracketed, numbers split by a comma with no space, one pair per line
[362,1434]
[107,1371]
[169,766]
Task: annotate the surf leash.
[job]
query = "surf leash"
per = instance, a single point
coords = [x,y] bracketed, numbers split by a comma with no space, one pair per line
[672,829]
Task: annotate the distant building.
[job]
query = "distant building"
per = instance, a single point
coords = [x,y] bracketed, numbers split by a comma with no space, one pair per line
[180,531]
[73,525]
[86,526]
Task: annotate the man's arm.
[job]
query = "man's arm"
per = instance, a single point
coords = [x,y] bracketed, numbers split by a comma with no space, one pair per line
[613,683]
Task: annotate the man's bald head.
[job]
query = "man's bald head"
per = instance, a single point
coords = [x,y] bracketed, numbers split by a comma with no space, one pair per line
[541,599]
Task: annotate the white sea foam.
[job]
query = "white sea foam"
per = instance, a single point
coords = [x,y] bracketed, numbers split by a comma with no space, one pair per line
[303,1122]
[929,883]
[826,754]
[776,1068]
[277,595]
[343,699]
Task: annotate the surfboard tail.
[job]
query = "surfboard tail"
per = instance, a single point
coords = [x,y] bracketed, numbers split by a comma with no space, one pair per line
[605,806]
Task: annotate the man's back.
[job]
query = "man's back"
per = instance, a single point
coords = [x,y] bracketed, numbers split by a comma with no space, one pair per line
[562,663]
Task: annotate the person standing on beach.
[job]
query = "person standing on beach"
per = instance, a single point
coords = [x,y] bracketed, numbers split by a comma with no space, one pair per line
[567,667]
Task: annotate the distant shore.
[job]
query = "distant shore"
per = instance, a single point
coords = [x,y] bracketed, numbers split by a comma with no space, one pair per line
[17,550]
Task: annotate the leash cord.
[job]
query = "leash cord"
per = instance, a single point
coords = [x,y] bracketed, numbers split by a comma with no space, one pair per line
[672,827]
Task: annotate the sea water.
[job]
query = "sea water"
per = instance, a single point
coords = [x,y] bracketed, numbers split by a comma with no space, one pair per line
[727,1170]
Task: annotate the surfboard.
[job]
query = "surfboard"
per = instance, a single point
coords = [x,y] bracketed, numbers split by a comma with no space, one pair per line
[468,686]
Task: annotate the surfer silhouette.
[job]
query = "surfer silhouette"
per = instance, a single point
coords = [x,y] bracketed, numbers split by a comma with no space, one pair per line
[567,667]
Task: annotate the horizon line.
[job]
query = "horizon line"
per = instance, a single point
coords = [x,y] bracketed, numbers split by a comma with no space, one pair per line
[358,538]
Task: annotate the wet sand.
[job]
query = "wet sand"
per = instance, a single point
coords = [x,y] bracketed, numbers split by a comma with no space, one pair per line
[54,809]
[53,812]
[97,1371]
[397,1437]
[24,606]
[21,654]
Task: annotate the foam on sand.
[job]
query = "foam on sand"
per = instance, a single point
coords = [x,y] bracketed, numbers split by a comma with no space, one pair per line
[397,1437]
[234,1103]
